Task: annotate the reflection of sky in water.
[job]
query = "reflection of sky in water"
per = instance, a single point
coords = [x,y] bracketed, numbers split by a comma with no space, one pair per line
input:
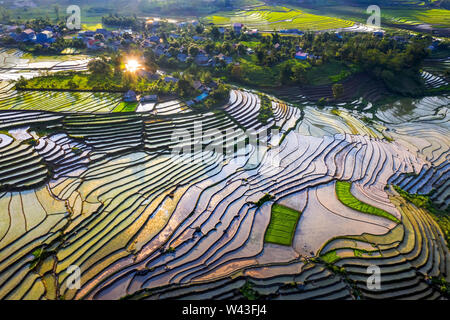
[413,107]
[13,66]
[403,107]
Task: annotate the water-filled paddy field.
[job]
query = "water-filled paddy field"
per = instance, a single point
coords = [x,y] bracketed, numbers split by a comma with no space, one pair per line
[119,195]
[106,192]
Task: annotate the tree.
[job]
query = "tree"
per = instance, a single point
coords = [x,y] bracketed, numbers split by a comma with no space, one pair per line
[99,68]
[151,66]
[206,77]
[226,48]
[286,74]
[193,51]
[173,51]
[236,72]
[21,82]
[99,37]
[215,33]
[209,47]
[241,49]
[184,88]
[199,29]
[260,54]
[299,74]
[338,90]
[275,38]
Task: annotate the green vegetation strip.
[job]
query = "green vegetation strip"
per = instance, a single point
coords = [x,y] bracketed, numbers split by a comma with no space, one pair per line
[276,18]
[424,202]
[283,223]
[265,111]
[126,107]
[348,199]
[330,257]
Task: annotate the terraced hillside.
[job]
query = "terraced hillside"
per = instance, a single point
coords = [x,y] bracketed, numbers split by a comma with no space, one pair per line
[361,85]
[15,63]
[269,18]
[148,209]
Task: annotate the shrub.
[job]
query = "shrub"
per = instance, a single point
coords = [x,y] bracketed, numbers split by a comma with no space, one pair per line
[264,199]
[265,112]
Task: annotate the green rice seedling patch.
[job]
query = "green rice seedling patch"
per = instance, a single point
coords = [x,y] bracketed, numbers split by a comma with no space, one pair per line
[343,192]
[126,107]
[330,257]
[283,223]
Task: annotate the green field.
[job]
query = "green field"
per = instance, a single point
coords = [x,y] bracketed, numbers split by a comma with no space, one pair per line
[411,16]
[348,199]
[59,101]
[332,71]
[283,223]
[330,257]
[88,17]
[276,18]
[255,74]
[126,107]
[435,17]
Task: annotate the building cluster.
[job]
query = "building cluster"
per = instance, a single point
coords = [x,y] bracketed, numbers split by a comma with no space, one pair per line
[104,39]
[20,33]
[202,58]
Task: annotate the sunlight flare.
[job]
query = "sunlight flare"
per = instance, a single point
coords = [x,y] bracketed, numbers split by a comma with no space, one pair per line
[132,65]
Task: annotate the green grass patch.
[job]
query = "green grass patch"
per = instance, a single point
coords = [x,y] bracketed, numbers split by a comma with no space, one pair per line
[39,255]
[257,75]
[126,107]
[251,44]
[330,72]
[358,253]
[6,133]
[330,257]
[248,292]
[283,223]
[71,81]
[264,199]
[265,111]
[348,199]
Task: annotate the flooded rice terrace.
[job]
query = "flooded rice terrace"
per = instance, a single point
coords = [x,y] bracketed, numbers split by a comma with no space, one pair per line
[15,64]
[83,186]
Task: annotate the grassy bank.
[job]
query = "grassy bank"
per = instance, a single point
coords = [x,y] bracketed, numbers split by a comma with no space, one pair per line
[343,192]
[424,202]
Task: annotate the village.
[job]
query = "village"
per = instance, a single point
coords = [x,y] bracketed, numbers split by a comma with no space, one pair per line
[161,37]
[167,50]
